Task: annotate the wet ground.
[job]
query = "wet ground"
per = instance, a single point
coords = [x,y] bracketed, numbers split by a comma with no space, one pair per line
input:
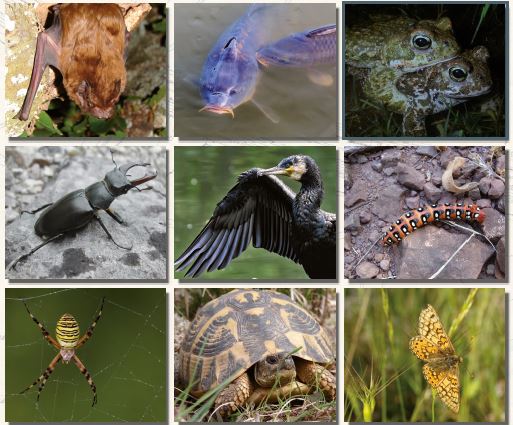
[305,110]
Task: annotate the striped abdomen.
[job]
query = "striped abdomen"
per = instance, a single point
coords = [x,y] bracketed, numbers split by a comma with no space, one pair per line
[415,219]
[67,331]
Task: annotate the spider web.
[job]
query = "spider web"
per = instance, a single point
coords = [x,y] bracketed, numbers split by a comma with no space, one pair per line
[126,356]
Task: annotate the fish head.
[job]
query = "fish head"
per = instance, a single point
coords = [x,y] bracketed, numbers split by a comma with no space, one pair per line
[229,79]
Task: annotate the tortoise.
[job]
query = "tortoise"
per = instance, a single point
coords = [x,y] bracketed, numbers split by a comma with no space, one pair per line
[264,342]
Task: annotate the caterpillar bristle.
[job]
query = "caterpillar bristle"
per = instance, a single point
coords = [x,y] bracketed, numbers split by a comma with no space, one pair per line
[415,219]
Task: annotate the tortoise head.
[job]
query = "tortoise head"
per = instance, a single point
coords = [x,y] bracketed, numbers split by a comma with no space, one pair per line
[273,368]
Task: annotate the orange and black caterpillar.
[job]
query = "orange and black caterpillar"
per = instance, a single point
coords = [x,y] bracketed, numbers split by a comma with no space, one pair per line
[415,219]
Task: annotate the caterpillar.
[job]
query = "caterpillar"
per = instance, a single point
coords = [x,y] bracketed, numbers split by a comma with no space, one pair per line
[412,220]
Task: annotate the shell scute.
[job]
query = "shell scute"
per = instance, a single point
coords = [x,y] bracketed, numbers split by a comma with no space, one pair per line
[233,332]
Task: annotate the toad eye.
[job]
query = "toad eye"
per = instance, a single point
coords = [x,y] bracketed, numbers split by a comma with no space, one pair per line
[421,41]
[458,74]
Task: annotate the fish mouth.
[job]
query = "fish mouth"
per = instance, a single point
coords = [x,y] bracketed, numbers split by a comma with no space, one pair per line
[216,109]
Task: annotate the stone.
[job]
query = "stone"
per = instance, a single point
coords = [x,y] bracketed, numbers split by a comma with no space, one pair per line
[410,177]
[427,151]
[365,217]
[377,166]
[88,253]
[501,254]
[436,245]
[359,192]
[496,189]
[384,265]
[484,203]
[412,202]
[494,225]
[390,157]
[352,222]
[432,193]
[367,270]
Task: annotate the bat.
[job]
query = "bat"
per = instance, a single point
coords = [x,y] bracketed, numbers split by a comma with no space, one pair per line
[87,44]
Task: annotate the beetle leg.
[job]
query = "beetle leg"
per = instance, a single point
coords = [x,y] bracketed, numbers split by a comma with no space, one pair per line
[108,233]
[37,209]
[114,215]
[21,257]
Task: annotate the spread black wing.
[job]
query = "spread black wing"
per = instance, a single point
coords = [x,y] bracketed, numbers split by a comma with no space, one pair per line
[257,209]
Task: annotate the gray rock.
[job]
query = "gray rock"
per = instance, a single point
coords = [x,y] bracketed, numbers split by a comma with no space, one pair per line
[484,185]
[494,225]
[348,178]
[410,177]
[88,253]
[367,270]
[436,178]
[447,156]
[377,166]
[501,255]
[359,192]
[384,265]
[437,245]
[412,202]
[433,193]
[365,217]
[348,243]
[388,171]
[390,201]
[390,157]
[484,203]
[475,194]
[496,189]
[352,222]
[427,151]
[490,269]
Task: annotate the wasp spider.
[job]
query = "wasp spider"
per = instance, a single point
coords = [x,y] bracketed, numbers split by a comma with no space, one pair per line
[68,337]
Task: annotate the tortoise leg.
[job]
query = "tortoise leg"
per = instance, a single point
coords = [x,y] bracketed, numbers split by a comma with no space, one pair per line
[316,375]
[234,395]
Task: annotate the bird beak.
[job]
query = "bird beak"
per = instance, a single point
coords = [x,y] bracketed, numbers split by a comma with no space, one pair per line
[273,171]
[218,110]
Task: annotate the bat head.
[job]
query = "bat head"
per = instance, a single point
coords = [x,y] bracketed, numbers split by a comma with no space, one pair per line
[98,102]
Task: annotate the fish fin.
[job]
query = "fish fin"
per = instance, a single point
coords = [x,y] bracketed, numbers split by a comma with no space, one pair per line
[322,31]
[320,78]
[268,112]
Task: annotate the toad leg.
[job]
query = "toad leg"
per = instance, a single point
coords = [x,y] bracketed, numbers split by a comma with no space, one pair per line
[234,395]
[316,375]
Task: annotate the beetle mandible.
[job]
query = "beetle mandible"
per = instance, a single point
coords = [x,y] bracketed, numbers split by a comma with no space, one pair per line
[78,208]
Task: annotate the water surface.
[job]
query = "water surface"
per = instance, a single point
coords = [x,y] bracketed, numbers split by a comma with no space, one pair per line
[305,110]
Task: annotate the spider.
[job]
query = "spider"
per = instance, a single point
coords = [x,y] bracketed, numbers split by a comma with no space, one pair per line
[67,333]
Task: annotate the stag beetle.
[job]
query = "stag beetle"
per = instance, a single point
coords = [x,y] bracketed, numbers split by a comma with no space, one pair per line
[78,208]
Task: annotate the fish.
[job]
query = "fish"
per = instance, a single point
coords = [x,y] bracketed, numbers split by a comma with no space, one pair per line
[302,49]
[231,71]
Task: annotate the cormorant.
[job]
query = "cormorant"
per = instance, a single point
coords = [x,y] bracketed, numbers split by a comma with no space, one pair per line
[261,208]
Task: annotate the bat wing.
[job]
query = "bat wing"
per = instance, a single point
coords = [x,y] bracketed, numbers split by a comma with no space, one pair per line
[48,49]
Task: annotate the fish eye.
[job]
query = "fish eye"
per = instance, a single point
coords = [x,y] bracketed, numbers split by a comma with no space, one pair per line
[458,74]
[421,41]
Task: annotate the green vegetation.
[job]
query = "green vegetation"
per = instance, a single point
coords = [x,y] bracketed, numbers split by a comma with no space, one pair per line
[383,379]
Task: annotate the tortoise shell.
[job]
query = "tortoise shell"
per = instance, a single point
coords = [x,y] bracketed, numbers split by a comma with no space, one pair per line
[233,332]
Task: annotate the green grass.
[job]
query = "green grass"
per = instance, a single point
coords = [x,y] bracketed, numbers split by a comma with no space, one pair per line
[383,379]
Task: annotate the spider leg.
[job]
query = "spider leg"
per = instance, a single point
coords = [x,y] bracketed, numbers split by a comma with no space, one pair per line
[87,375]
[46,334]
[90,330]
[44,377]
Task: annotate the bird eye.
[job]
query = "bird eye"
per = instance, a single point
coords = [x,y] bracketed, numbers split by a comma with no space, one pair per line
[458,74]
[421,41]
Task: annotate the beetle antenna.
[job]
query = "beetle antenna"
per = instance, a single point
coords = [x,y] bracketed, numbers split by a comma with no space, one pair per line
[112,156]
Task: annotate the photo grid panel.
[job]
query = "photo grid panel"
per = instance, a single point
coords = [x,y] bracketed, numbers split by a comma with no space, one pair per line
[173,174]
